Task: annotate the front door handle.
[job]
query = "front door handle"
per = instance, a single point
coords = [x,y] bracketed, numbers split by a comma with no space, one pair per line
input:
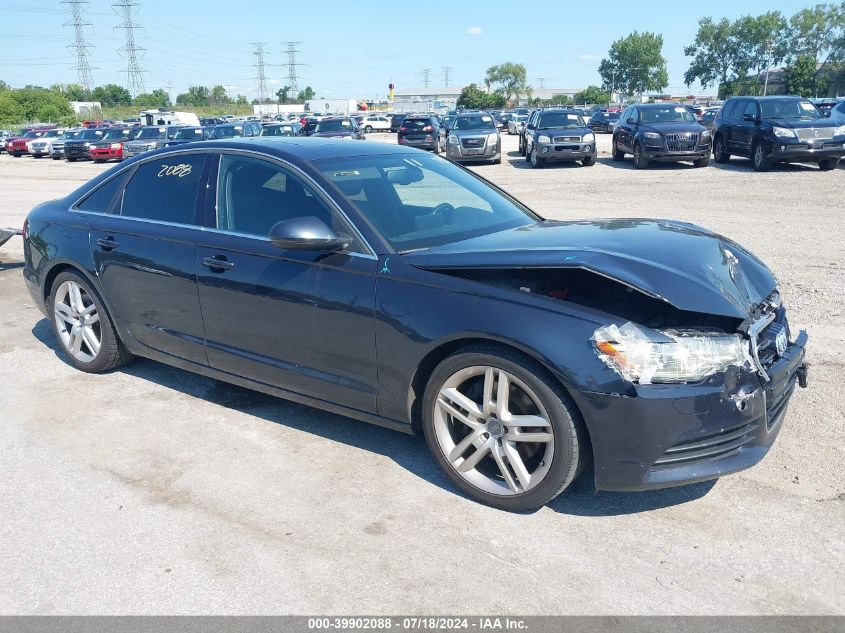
[107,243]
[216,263]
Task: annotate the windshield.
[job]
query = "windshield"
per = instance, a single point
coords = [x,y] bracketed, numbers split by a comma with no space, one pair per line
[52,134]
[188,134]
[334,125]
[134,133]
[482,122]
[74,134]
[277,130]
[115,133]
[152,132]
[90,135]
[422,201]
[227,131]
[566,120]
[667,114]
[788,109]
[32,134]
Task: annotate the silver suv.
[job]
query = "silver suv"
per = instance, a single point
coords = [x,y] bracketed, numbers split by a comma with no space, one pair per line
[149,138]
[474,137]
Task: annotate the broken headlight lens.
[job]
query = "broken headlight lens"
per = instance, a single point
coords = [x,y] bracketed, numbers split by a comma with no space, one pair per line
[668,356]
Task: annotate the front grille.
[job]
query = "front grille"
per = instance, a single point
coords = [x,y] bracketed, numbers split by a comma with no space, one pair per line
[714,446]
[812,133]
[567,139]
[776,407]
[472,143]
[681,142]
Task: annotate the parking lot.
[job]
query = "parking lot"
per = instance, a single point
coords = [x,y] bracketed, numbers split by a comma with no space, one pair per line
[152,490]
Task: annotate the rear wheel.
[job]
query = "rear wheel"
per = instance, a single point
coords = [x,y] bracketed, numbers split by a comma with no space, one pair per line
[71,160]
[702,162]
[505,433]
[720,153]
[758,157]
[640,161]
[368,129]
[827,165]
[83,327]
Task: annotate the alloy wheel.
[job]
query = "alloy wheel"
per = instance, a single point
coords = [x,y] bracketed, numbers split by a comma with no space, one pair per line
[77,321]
[493,430]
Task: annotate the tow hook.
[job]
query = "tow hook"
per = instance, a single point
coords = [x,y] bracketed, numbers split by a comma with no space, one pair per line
[802,376]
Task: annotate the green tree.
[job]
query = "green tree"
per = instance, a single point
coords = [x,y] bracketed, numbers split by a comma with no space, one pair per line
[473,97]
[218,96]
[305,95]
[714,52]
[197,96]
[817,33]
[593,95]
[561,99]
[801,77]
[635,64]
[241,101]
[282,94]
[156,99]
[509,79]
[111,95]
[4,86]
[33,104]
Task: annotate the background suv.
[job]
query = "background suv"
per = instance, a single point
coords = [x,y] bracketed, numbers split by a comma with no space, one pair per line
[423,132]
[661,132]
[558,135]
[777,130]
[474,137]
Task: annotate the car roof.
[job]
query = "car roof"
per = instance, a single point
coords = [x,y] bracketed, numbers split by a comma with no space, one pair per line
[298,149]
[773,98]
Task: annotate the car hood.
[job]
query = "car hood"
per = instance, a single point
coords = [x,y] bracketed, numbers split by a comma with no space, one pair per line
[689,267]
[796,124]
[672,128]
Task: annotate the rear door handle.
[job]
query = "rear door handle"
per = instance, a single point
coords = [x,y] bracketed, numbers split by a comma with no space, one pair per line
[107,243]
[217,263]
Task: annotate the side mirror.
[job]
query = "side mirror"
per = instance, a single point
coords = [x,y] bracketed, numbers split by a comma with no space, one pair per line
[631,121]
[306,234]
[749,117]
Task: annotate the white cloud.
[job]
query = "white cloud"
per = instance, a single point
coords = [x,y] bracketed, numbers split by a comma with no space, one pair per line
[588,57]
[475,30]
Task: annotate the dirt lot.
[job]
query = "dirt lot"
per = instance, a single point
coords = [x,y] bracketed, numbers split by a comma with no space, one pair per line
[151,490]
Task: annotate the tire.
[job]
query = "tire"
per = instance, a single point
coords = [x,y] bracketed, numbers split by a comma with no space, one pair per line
[111,352]
[532,392]
[521,147]
[16,155]
[536,161]
[436,148]
[589,161]
[829,164]
[71,160]
[618,154]
[720,153]
[640,161]
[497,160]
[701,162]
[758,157]
[368,129]
[56,157]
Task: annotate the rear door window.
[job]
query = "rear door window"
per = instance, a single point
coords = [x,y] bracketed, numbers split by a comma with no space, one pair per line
[165,189]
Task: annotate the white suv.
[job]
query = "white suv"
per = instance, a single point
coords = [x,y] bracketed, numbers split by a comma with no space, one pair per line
[375,123]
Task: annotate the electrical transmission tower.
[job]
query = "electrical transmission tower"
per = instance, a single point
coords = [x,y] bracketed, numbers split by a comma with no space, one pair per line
[133,70]
[541,82]
[83,68]
[293,79]
[259,67]
[425,73]
[447,71]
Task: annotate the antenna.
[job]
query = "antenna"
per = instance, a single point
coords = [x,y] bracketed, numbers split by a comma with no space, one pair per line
[259,66]
[82,67]
[292,77]
[426,76]
[133,70]
[447,71]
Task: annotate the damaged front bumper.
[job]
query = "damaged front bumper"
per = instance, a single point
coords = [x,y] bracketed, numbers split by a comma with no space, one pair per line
[668,434]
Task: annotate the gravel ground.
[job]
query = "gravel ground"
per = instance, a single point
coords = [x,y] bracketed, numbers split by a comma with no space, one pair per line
[152,490]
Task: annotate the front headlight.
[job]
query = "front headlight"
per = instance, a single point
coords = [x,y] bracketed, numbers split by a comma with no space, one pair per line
[840,131]
[543,139]
[783,132]
[87,145]
[493,138]
[653,135]
[705,133]
[453,139]
[116,145]
[668,356]
[589,137]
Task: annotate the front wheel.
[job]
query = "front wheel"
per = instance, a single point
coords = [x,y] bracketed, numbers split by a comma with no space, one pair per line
[758,157]
[702,162]
[640,161]
[501,429]
[83,327]
[827,165]
[618,154]
[589,161]
[536,161]
[720,154]
[368,129]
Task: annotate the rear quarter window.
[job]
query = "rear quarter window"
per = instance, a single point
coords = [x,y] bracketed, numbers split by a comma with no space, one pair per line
[105,197]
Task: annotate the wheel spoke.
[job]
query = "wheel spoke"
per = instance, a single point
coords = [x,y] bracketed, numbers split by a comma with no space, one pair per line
[457,399]
[529,437]
[95,318]
[91,340]
[472,461]
[464,445]
[89,310]
[527,421]
[518,466]
[487,403]
[75,296]
[65,313]
[503,396]
[498,456]
[75,341]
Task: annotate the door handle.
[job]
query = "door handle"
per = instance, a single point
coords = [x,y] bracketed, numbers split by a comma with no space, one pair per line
[217,264]
[108,243]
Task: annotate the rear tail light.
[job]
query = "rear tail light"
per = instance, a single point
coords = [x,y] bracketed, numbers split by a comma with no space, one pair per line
[403,129]
[427,128]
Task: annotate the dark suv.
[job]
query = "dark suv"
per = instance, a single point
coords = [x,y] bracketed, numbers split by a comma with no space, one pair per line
[777,129]
[556,135]
[660,132]
[424,132]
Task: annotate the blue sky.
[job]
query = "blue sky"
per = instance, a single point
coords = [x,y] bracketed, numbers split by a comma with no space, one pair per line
[352,49]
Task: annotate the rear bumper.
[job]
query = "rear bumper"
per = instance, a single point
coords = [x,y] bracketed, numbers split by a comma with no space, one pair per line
[420,144]
[669,435]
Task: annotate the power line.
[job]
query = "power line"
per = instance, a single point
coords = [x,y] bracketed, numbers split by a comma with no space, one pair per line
[447,71]
[425,73]
[259,66]
[83,68]
[133,70]
[293,82]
